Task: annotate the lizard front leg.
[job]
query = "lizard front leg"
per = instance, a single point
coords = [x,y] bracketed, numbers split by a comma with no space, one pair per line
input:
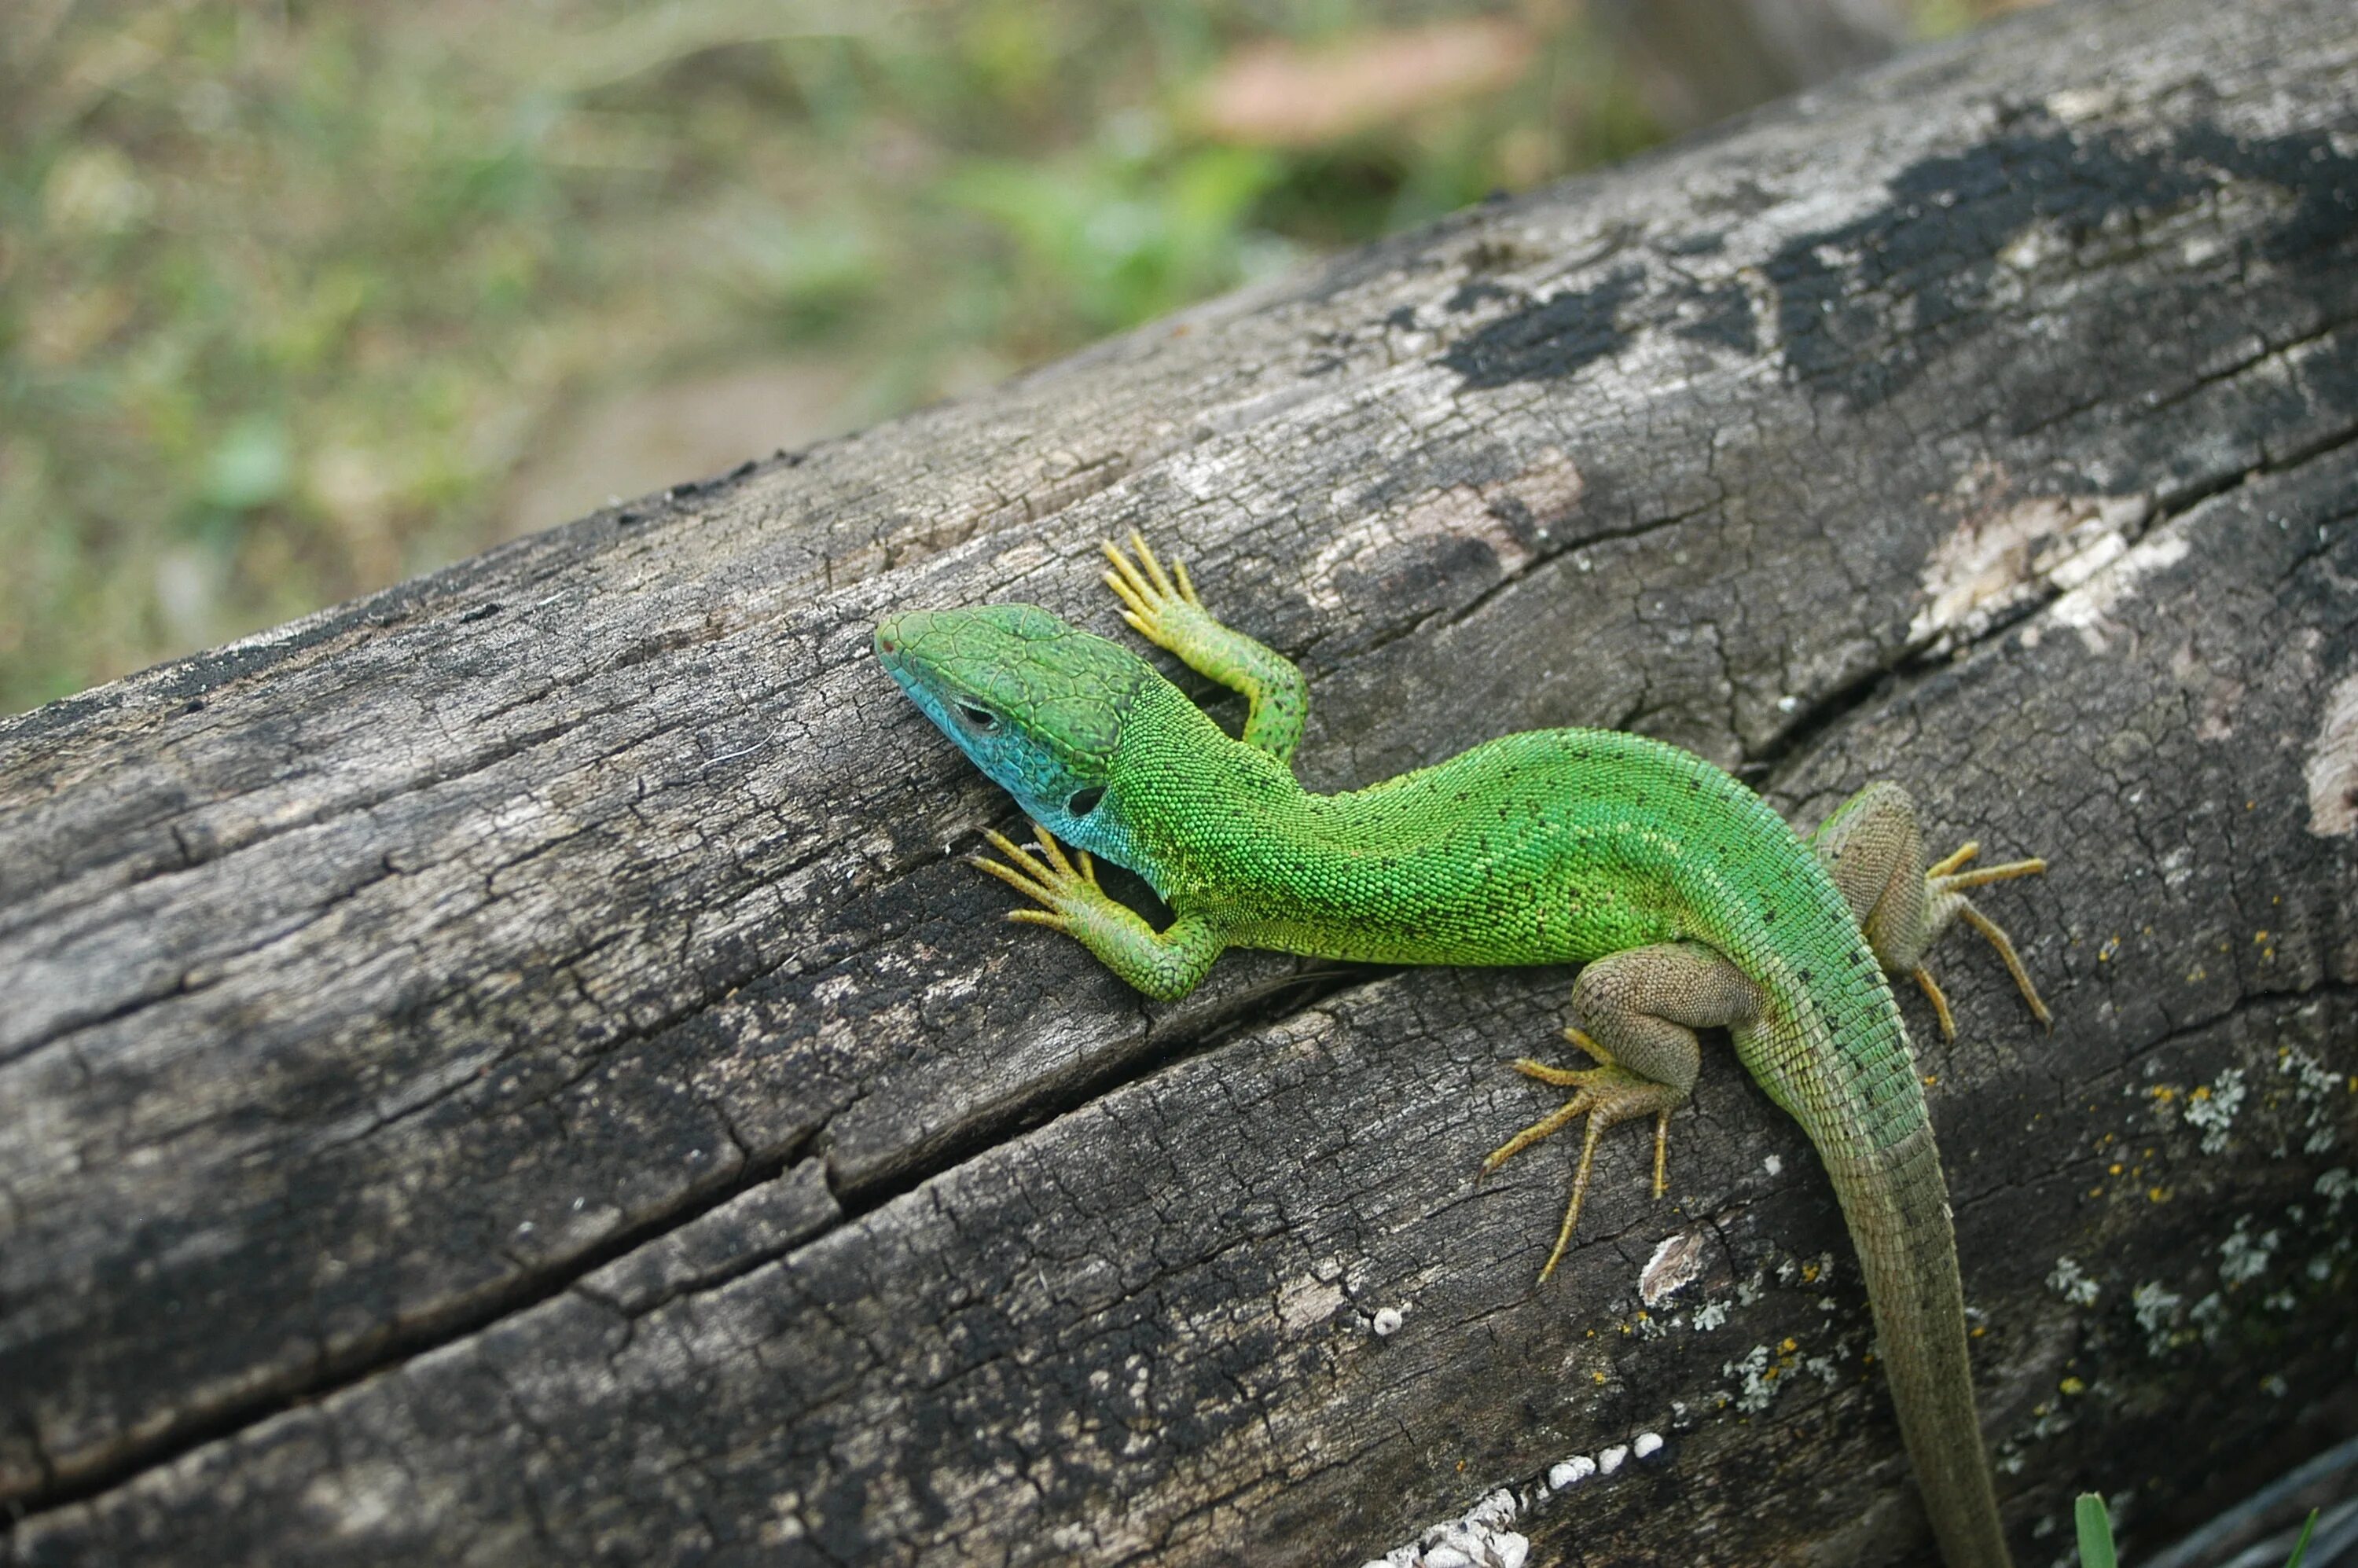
[1169,615]
[1640,1009]
[1165,965]
[1874,850]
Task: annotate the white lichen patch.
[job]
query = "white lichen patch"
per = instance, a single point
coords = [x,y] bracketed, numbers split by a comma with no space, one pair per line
[1478,1538]
[1570,1472]
[1774,1165]
[1994,562]
[1756,1378]
[2066,1280]
[1808,1271]
[2332,770]
[1574,1468]
[1386,1322]
[2315,1089]
[2335,1187]
[1676,1263]
[2157,1313]
[1709,1316]
[2047,1421]
[2212,1109]
[2243,1256]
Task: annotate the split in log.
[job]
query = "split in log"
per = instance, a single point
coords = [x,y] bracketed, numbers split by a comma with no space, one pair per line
[504,1071]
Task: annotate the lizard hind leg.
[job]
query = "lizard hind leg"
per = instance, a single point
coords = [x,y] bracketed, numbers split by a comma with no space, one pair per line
[1640,1009]
[1874,850]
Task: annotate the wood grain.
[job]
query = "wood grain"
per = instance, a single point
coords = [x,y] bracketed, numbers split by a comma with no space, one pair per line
[504,1071]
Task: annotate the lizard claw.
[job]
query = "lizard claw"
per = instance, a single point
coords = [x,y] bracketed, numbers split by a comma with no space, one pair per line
[1604,1095]
[1946,885]
[1151,600]
[1051,879]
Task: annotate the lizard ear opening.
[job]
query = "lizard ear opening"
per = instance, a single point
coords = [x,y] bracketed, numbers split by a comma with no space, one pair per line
[977,718]
[1085,801]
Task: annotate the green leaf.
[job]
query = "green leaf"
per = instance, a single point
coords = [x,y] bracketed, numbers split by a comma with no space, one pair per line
[2095,1533]
[2300,1547]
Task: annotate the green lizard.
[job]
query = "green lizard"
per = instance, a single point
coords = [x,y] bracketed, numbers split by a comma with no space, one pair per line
[1691,904]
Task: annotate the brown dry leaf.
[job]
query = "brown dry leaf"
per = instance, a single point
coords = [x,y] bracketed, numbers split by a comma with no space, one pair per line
[1291,96]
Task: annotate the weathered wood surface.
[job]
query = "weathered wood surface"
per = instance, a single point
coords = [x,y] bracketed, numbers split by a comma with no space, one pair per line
[504,1071]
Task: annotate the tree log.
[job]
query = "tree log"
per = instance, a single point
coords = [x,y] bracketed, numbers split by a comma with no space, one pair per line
[504,1071]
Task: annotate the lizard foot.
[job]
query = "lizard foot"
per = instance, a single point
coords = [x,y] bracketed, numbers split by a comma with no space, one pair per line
[1156,608]
[1163,608]
[1165,965]
[1065,890]
[1605,1094]
[1945,886]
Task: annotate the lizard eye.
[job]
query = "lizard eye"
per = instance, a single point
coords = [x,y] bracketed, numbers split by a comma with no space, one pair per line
[1085,801]
[975,718]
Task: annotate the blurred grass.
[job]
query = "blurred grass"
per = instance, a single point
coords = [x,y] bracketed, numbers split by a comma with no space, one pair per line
[288,293]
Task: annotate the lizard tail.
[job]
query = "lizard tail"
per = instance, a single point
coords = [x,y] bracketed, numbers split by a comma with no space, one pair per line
[1897,1205]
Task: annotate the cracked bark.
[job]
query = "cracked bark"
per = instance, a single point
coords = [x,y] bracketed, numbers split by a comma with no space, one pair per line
[503,1071]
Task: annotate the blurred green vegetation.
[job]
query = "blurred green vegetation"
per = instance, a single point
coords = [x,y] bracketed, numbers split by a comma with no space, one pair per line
[289,292]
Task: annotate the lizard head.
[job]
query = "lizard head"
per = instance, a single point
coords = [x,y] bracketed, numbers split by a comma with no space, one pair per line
[1038,704]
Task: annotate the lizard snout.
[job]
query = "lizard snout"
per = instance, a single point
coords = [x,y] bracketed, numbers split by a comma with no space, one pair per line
[896,634]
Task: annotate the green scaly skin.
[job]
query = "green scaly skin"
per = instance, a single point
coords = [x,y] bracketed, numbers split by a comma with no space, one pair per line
[1690,902]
